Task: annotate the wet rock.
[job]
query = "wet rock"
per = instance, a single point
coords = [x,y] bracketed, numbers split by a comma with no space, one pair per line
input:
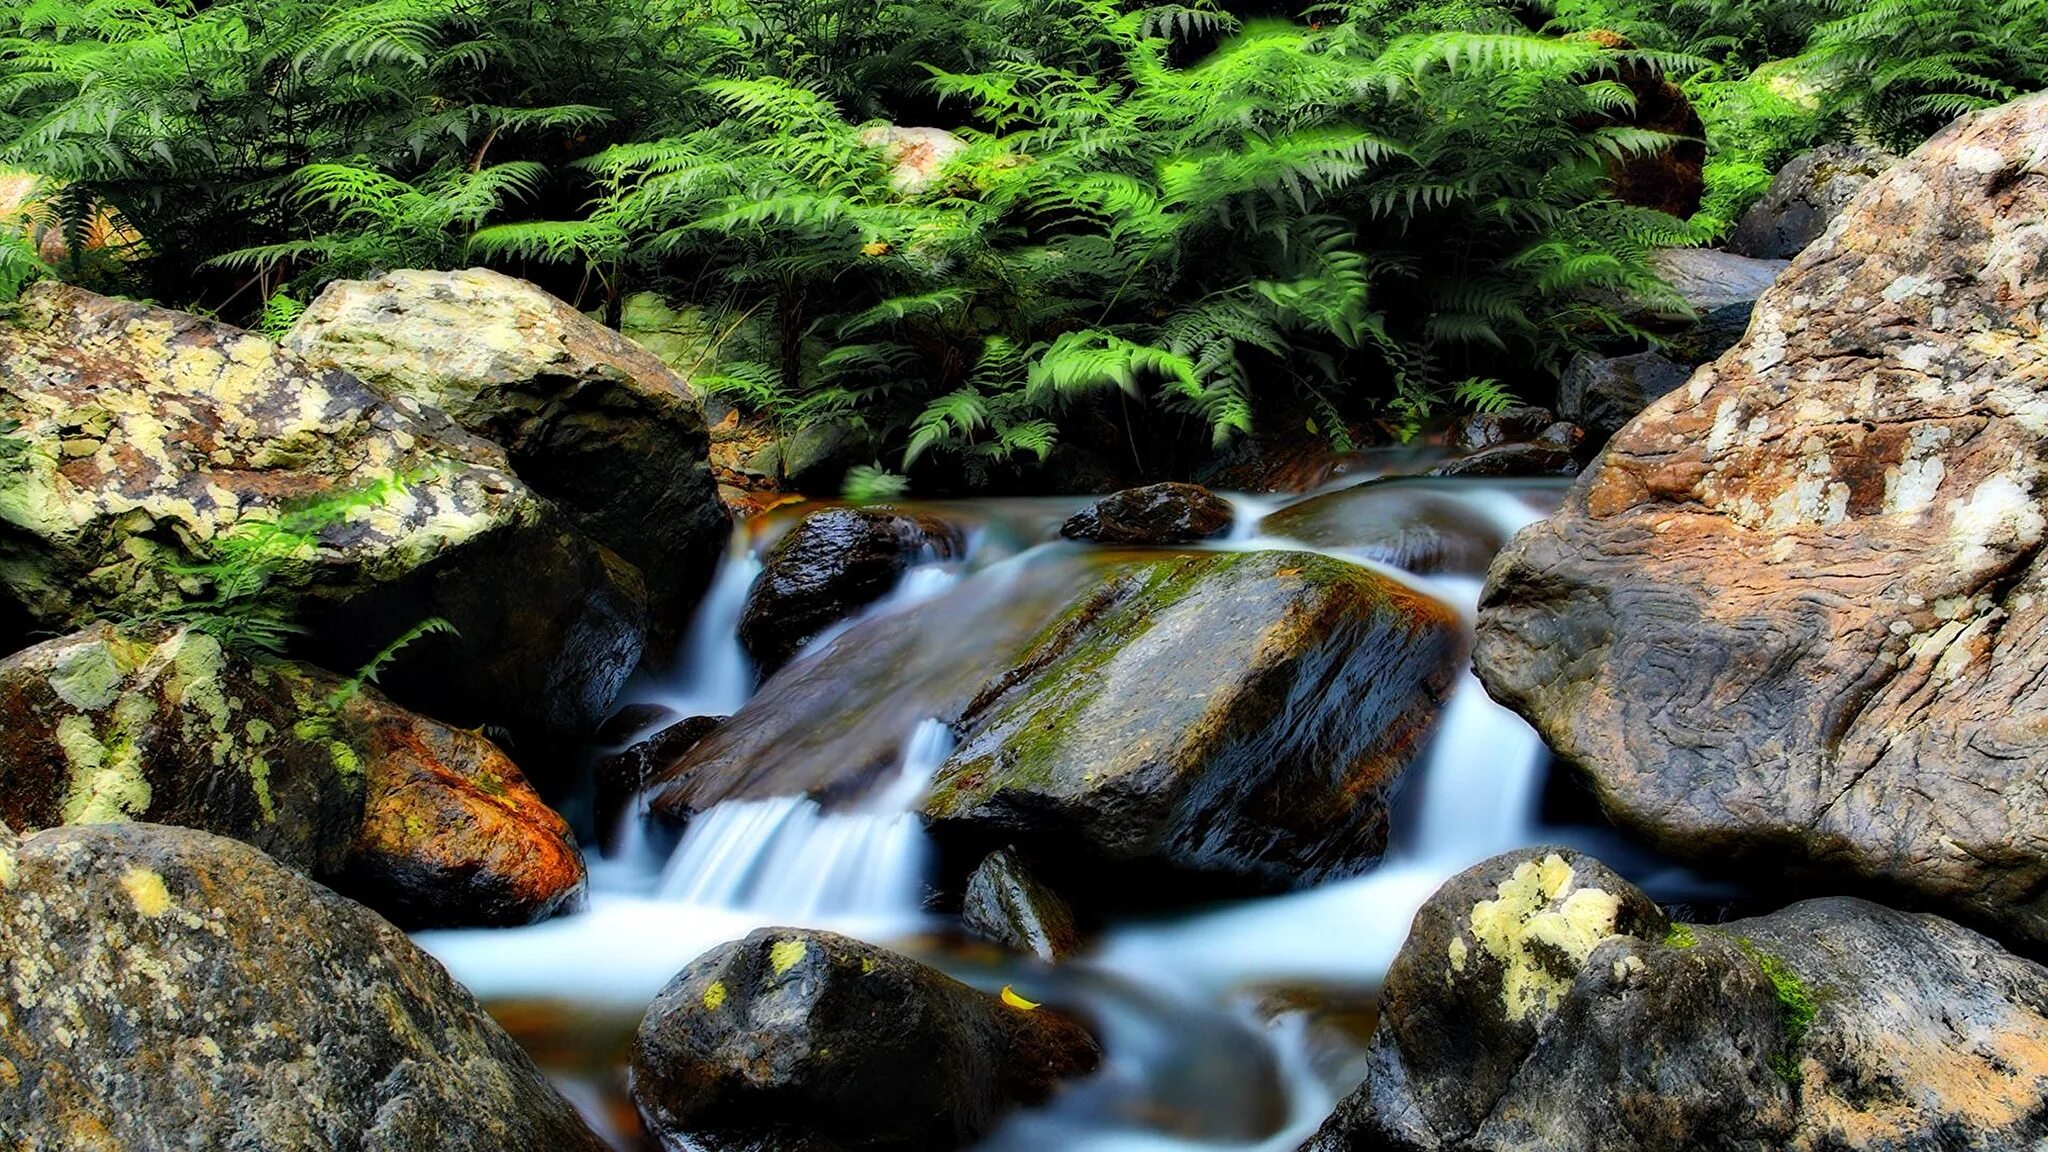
[1005,904]
[1602,393]
[1708,279]
[1794,618]
[621,777]
[1155,514]
[915,154]
[151,434]
[1543,1005]
[1557,455]
[831,565]
[1804,198]
[1241,716]
[1479,431]
[431,825]
[592,421]
[1420,525]
[168,988]
[797,1039]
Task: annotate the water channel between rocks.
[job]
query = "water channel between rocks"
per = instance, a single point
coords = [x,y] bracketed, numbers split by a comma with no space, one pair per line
[1228,1026]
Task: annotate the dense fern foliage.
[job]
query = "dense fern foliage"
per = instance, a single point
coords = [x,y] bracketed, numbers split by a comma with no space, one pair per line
[1169,222]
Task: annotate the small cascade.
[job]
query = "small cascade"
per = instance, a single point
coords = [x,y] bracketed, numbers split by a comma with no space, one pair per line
[716,676]
[788,857]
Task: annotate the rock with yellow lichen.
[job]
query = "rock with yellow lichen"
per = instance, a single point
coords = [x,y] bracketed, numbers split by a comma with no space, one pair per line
[591,420]
[149,434]
[795,1040]
[1795,618]
[1543,1004]
[428,824]
[162,987]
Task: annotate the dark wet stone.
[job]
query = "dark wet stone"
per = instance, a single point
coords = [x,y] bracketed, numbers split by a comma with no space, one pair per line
[830,566]
[1005,904]
[1602,393]
[1804,198]
[622,776]
[798,1039]
[1542,458]
[1156,514]
[1482,430]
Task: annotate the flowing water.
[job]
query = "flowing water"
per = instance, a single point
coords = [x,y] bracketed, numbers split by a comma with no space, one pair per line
[1235,1026]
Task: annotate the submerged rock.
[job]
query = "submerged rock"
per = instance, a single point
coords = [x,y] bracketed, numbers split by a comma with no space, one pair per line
[828,567]
[1155,514]
[1240,715]
[591,420]
[1804,198]
[795,1039]
[1005,904]
[166,988]
[152,435]
[1795,616]
[430,824]
[1542,1004]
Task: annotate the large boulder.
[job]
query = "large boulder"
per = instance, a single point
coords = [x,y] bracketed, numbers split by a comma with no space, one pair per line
[1543,1004]
[591,420]
[804,1041]
[429,824]
[167,988]
[1795,615]
[155,440]
[828,567]
[1154,514]
[1243,716]
[1804,198]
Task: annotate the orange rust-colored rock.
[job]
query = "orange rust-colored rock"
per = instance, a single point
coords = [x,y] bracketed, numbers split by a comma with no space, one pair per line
[1797,613]
[451,830]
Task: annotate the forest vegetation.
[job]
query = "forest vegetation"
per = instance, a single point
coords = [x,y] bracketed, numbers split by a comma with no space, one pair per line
[1204,215]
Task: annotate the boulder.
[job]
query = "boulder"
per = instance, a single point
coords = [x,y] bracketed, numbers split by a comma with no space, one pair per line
[431,825]
[1794,617]
[1242,717]
[1804,198]
[1543,1004]
[1005,904]
[1708,279]
[1418,524]
[828,567]
[1155,514]
[1602,393]
[1556,454]
[915,155]
[592,421]
[794,1039]
[163,987]
[155,439]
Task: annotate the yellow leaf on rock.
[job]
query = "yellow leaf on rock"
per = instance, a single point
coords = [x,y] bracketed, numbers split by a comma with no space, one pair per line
[1011,998]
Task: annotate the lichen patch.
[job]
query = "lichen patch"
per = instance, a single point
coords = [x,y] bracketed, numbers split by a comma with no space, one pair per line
[147,890]
[1540,929]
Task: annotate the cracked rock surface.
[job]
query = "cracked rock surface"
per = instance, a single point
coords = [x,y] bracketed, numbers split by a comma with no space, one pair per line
[1794,615]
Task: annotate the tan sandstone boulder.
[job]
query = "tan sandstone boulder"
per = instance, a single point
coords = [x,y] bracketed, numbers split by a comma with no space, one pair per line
[592,421]
[150,437]
[1797,613]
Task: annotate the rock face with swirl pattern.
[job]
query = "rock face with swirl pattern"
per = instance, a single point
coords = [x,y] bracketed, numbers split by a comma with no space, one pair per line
[1797,614]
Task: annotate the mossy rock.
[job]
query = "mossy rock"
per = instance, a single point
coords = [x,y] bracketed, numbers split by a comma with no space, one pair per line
[152,434]
[431,825]
[169,988]
[1244,716]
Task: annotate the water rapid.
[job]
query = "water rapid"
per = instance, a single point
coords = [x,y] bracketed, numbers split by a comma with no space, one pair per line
[1234,1026]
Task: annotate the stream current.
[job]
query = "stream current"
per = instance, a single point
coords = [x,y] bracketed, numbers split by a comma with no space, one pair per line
[1233,1026]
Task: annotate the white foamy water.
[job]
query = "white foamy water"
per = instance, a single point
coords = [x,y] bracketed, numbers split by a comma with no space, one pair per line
[1162,992]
